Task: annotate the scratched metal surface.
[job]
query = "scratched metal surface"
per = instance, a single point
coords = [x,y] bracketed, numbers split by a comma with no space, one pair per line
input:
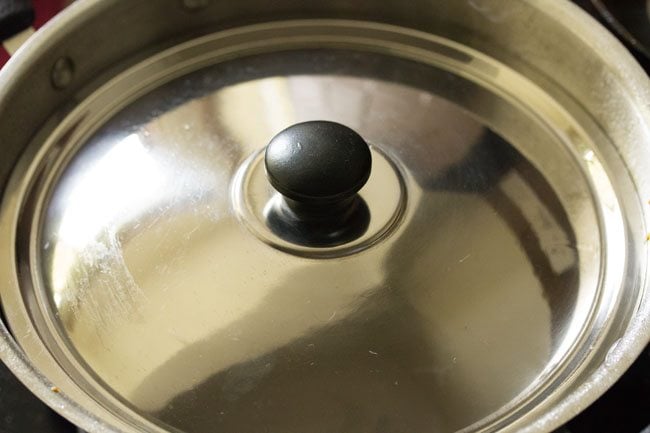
[141,243]
[122,302]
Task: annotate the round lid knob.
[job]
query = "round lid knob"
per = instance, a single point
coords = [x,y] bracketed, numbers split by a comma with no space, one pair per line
[318,162]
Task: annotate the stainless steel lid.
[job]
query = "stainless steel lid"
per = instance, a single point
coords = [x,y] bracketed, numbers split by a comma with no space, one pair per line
[178,284]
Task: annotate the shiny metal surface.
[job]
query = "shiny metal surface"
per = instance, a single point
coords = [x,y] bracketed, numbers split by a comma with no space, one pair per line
[140,230]
[514,265]
[140,227]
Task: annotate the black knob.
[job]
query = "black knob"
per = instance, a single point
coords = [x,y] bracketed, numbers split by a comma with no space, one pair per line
[318,162]
[318,167]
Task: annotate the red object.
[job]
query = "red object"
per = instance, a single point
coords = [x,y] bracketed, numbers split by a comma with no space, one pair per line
[44,10]
[4,56]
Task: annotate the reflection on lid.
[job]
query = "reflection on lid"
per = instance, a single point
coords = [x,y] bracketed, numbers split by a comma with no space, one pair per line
[190,318]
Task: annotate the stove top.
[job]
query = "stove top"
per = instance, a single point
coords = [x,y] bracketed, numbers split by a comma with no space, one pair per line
[625,408]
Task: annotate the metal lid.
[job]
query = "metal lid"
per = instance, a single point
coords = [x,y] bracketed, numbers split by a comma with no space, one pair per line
[189,278]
